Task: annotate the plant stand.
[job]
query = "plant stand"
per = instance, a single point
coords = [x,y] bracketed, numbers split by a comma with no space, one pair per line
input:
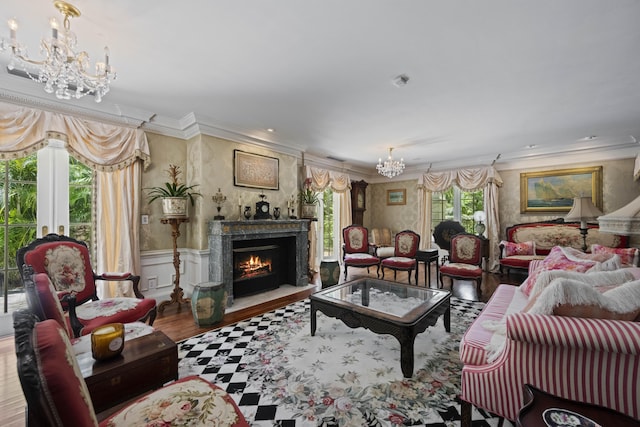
[177,295]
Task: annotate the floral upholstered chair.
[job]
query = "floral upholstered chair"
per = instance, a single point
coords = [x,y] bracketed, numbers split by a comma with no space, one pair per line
[43,301]
[67,263]
[465,260]
[57,394]
[406,245]
[355,249]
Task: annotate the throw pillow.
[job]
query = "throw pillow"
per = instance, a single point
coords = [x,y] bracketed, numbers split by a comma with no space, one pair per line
[628,256]
[569,259]
[524,248]
[568,297]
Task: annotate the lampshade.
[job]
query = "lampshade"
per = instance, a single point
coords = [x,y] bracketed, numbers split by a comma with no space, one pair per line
[479,216]
[624,221]
[583,210]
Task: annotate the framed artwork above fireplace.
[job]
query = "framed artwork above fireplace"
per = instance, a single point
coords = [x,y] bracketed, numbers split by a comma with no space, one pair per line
[255,171]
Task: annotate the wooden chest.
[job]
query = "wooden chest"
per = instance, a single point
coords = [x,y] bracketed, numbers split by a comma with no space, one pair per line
[146,363]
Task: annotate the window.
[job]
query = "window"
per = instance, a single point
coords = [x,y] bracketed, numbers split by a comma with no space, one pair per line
[328,234]
[34,193]
[457,205]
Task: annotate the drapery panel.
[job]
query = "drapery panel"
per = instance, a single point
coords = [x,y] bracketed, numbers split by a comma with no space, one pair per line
[119,251]
[340,183]
[117,154]
[469,179]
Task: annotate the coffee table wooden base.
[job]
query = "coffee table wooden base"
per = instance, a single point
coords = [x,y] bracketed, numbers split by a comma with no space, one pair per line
[405,333]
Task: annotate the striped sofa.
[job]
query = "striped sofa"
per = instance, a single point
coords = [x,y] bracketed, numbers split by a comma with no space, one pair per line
[587,360]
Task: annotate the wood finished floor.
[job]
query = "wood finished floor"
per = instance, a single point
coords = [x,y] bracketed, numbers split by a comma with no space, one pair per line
[178,324]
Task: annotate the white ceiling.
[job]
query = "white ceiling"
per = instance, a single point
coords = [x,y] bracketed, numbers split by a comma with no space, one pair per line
[487,77]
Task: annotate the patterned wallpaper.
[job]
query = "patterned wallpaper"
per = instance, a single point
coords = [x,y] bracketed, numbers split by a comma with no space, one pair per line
[396,217]
[210,163]
[619,188]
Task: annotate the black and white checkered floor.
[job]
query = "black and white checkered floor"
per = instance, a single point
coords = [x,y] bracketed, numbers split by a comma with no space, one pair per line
[218,357]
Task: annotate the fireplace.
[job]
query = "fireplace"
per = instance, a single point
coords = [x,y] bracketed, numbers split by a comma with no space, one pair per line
[259,268]
[283,242]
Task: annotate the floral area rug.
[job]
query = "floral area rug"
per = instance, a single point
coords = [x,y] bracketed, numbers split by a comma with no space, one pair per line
[280,375]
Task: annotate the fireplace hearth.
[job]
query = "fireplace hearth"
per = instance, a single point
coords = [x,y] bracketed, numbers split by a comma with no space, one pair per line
[254,256]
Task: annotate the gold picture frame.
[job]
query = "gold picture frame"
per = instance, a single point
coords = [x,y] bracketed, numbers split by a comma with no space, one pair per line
[554,190]
[397,197]
[255,171]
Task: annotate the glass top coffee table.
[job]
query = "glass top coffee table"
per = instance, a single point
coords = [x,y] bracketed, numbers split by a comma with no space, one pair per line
[385,307]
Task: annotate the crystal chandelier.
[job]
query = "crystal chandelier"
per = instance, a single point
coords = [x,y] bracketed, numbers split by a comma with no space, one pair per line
[390,167]
[64,70]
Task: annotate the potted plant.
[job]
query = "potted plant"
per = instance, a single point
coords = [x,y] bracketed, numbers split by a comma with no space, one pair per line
[174,194]
[308,201]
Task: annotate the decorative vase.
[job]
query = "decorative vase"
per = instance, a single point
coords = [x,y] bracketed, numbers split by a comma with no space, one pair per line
[208,303]
[308,210]
[174,207]
[276,212]
[247,212]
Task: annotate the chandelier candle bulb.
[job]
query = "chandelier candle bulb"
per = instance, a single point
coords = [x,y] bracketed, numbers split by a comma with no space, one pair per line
[54,28]
[13,27]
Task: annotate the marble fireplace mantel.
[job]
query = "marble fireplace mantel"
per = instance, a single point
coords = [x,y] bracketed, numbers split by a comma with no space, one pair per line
[222,234]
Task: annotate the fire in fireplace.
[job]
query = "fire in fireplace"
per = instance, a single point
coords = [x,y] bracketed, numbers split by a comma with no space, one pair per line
[253,262]
[257,268]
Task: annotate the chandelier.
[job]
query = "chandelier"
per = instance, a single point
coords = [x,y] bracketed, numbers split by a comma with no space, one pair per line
[390,167]
[64,70]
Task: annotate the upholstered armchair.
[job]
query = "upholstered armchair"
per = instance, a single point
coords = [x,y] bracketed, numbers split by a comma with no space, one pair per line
[43,301]
[465,260]
[355,249]
[406,245]
[67,263]
[381,241]
[57,394]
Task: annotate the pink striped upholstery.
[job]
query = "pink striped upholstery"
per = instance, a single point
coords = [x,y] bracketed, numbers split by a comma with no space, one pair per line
[476,338]
[587,360]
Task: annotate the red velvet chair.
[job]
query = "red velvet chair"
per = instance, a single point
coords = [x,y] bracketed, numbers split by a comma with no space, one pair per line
[465,259]
[57,394]
[67,263]
[406,245]
[355,249]
[43,301]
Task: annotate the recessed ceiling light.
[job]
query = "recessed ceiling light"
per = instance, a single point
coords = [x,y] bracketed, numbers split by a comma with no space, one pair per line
[401,80]
[271,130]
[530,146]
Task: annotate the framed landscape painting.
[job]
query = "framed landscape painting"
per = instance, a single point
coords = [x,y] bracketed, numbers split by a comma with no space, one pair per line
[255,171]
[397,197]
[553,191]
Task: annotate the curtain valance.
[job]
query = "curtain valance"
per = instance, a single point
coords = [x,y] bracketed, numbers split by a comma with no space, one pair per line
[100,146]
[322,178]
[467,179]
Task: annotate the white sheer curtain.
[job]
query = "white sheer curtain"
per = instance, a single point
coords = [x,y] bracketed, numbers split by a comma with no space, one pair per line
[470,179]
[108,149]
[341,184]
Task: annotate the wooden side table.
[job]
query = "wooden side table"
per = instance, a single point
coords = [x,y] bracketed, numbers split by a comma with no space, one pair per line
[539,404]
[146,363]
[427,257]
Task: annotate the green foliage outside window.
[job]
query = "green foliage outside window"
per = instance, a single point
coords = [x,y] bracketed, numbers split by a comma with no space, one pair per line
[19,208]
[443,207]
[328,217]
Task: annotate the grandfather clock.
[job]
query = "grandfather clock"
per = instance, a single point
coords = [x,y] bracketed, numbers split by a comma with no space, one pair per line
[358,201]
